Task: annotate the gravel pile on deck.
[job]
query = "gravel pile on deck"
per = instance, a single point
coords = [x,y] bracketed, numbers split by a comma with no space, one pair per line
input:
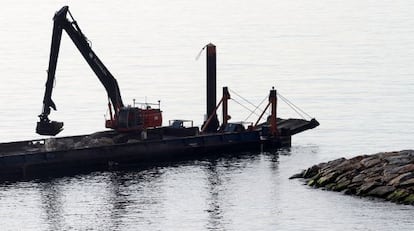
[388,175]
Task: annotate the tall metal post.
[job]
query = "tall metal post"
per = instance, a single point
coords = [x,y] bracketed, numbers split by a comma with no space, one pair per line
[211,88]
[226,97]
[273,116]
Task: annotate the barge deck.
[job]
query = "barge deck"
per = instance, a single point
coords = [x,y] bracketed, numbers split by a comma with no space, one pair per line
[109,149]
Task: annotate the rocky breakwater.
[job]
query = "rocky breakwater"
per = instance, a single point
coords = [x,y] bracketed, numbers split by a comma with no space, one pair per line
[388,175]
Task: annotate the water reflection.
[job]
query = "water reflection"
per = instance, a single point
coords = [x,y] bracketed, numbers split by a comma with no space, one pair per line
[104,200]
[222,175]
[52,204]
[117,198]
[134,193]
[273,157]
[153,197]
[215,213]
[111,199]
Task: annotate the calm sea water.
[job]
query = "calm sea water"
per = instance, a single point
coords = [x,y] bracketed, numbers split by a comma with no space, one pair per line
[347,63]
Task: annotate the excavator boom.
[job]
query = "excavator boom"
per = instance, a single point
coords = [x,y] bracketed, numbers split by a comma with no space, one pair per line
[48,127]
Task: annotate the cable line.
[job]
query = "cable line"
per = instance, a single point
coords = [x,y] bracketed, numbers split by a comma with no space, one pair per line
[294,107]
[254,111]
[244,106]
[242,98]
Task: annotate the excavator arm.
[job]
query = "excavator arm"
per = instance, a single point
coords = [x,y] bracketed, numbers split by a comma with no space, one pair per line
[61,22]
[123,119]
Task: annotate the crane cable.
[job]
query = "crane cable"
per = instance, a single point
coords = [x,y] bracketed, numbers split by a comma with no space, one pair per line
[242,97]
[247,108]
[254,111]
[297,109]
[199,53]
[244,106]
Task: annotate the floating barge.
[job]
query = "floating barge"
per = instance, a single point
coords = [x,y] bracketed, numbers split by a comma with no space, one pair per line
[110,149]
[141,145]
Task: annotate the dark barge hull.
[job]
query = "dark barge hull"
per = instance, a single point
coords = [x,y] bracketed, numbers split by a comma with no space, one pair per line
[33,162]
[32,158]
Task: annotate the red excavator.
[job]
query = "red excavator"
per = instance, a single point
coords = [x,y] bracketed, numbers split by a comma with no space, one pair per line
[122,118]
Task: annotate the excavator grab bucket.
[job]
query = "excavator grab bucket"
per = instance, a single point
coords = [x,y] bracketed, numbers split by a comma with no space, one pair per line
[49,128]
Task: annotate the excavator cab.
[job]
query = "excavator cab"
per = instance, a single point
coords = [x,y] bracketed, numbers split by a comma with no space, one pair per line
[129,118]
[135,119]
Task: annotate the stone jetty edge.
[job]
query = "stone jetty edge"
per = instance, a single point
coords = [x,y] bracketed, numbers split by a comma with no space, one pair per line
[387,175]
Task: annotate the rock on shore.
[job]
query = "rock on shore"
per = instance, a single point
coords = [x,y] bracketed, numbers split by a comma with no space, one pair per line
[388,175]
